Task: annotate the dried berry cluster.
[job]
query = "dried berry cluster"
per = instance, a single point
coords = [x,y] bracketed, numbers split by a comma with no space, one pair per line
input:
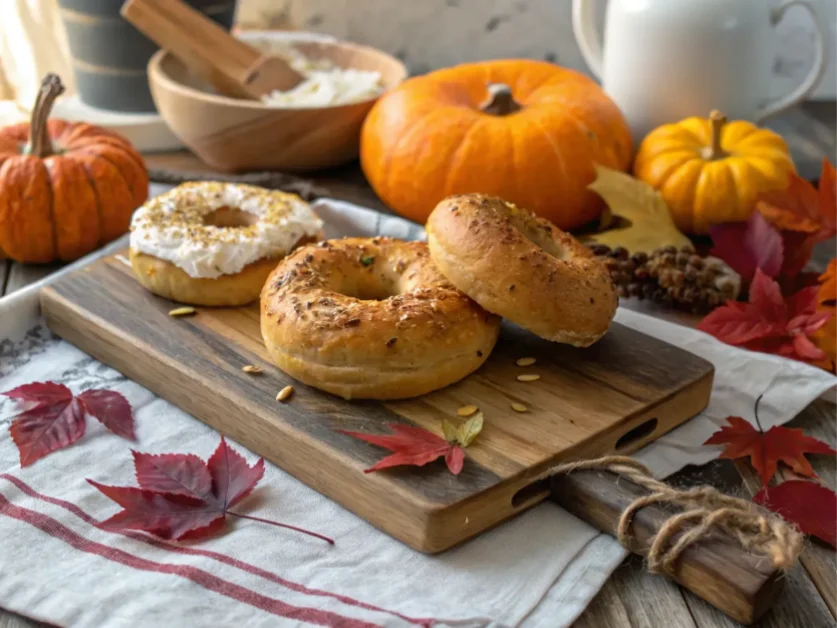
[680,278]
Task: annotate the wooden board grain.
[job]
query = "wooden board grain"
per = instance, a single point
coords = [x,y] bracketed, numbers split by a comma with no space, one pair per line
[618,395]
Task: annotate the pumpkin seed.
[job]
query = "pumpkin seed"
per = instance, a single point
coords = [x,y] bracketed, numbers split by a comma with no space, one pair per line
[528,377]
[518,407]
[182,311]
[467,410]
[526,361]
[251,368]
[283,394]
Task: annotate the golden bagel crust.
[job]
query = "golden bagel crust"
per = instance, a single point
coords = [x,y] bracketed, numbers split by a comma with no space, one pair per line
[372,319]
[168,281]
[522,267]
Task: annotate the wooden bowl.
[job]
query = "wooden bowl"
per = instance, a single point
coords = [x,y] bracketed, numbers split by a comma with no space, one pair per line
[235,135]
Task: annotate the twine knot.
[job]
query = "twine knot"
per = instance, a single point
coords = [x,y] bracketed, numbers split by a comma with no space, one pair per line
[704,510]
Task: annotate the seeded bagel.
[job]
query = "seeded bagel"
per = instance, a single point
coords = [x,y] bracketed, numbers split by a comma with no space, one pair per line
[372,319]
[522,267]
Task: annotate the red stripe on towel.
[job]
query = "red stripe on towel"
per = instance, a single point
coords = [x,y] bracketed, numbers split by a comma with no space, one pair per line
[200,577]
[222,558]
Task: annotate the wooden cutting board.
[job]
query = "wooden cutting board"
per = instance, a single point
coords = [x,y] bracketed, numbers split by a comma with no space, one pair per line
[616,396]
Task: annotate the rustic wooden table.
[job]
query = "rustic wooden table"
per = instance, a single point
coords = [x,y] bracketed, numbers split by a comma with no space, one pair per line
[633,598]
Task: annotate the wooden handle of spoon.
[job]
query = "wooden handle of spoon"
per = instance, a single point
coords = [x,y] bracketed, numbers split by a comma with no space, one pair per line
[234,67]
[742,584]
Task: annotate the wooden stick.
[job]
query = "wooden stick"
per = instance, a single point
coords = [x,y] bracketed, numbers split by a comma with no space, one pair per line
[233,66]
[741,584]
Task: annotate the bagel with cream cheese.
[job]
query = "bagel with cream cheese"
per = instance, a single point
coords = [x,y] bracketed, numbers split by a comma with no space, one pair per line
[214,244]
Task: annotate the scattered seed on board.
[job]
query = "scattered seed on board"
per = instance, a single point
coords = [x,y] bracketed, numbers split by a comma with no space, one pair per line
[528,377]
[526,361]
[182,311]
[285,393]
[252,368]
[467,410]
[518,407]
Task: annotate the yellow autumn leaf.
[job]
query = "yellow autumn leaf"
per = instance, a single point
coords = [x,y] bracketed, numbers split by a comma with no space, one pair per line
[468,431]
[637,217]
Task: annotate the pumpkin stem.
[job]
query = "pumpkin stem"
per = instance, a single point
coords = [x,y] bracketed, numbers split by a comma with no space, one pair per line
[500,100]
[40,144]
[717,121]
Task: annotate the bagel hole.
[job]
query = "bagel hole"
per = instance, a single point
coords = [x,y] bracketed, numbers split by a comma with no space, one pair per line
[230,217]
[541,239]
[376,292]
[370,284]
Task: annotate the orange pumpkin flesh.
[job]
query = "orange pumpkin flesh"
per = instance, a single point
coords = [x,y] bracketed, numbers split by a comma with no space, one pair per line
[65,189]
[526,131]
[711,172]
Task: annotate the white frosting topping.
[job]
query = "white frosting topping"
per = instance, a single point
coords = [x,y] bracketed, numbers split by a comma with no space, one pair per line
[173,227]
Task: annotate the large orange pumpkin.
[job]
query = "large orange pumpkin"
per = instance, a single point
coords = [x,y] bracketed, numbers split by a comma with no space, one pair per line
[65,189]
[526,131]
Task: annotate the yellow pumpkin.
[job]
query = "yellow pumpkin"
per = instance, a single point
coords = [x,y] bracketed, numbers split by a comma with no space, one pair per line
[710,171]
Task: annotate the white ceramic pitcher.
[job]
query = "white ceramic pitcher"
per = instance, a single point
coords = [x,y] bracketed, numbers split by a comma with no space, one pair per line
[664,60]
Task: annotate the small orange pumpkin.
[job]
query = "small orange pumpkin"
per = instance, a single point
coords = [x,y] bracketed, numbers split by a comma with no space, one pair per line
[710,172]
[65,189]
[526,131]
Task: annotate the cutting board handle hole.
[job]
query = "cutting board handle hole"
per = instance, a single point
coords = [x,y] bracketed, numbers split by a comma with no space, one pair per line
[639,432]
[527,493]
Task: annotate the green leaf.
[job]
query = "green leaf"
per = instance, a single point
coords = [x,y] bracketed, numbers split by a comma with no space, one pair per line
[450,431]
[469,430]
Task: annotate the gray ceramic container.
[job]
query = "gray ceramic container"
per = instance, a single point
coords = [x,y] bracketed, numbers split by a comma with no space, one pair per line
[110,56]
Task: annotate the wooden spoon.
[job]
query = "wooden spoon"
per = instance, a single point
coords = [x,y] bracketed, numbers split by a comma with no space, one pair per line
[235,68]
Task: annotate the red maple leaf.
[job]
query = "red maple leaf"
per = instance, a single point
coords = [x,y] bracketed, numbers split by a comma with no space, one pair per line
[182,497]
[412,446]
[805,216]
[770,323]
[811,506]
[798,250]
[746,246]
[767,449]
[53,418]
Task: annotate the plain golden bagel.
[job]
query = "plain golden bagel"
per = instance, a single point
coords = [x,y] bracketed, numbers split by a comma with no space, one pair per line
[522,267]
[372,319]
[214,244]
[170,282]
